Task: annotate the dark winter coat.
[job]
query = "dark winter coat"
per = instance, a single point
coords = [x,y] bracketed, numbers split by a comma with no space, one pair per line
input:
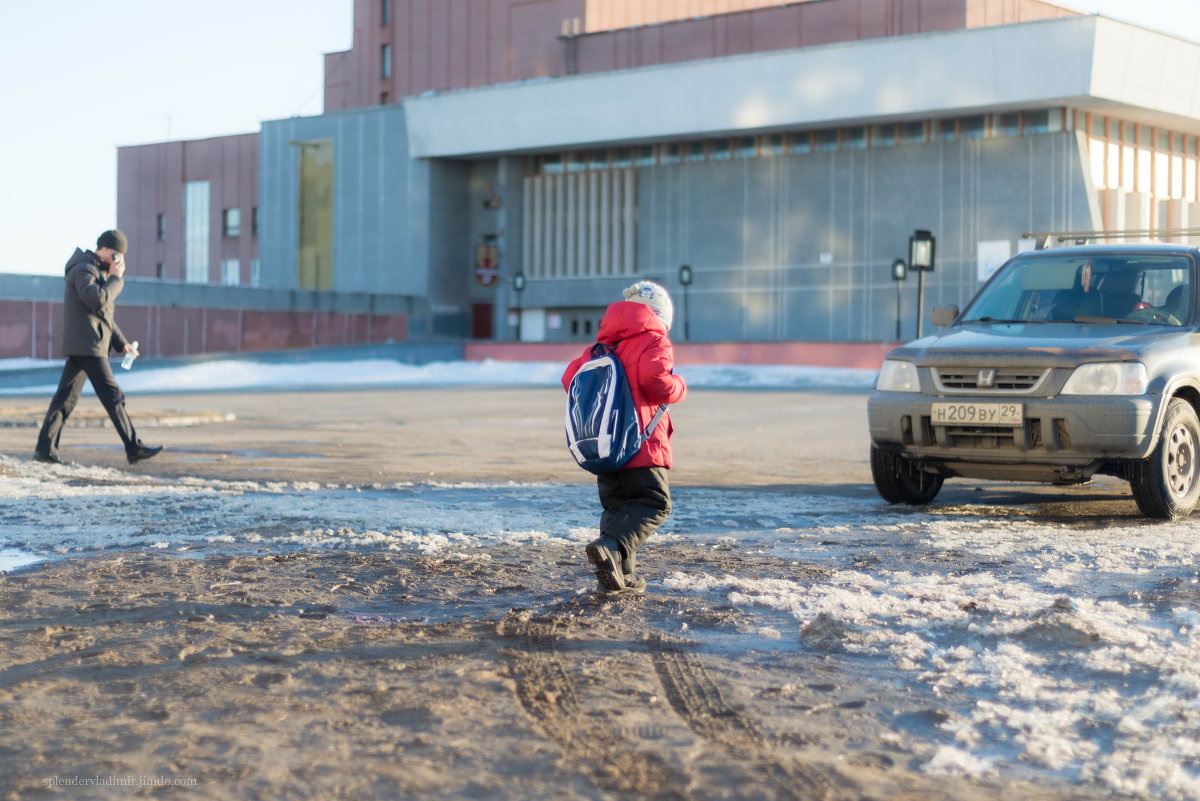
[641,342]
[89,326]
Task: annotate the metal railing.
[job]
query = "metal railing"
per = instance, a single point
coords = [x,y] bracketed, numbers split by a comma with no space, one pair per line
[1044,239]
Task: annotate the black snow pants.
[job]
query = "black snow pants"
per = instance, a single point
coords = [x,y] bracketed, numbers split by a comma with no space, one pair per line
[98,371]
[636,502]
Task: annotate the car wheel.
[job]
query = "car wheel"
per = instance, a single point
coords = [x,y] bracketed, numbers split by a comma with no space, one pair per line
[1167,484]
[899,480]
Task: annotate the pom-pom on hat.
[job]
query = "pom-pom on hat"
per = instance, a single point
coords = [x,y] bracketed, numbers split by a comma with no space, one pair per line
[653,296]
[113,239]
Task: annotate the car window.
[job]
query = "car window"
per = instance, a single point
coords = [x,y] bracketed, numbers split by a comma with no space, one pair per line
[1135,288]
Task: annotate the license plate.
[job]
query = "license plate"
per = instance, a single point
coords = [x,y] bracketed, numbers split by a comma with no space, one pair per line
[986,414]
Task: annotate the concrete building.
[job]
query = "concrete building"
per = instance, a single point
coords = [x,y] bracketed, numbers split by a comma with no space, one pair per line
[783,151]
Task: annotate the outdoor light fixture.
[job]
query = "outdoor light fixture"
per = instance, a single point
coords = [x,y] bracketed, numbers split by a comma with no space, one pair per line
[518,285]
[920,251]
[920,258]
[685,278]
[899,273]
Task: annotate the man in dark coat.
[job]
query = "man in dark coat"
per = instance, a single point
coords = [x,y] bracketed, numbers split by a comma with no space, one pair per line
[93,281]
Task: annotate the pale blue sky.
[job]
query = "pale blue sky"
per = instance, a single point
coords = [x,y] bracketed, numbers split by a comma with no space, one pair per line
[82,77]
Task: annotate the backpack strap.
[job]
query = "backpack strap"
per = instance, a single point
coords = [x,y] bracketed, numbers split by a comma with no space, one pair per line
[654,422]
[601,348]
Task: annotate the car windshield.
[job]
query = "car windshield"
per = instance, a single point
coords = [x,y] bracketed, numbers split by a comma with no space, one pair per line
[1122,288]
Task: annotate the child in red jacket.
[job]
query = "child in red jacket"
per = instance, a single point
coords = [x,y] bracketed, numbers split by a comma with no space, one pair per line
[636,499]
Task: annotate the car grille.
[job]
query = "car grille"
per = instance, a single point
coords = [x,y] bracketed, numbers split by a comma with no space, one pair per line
[987,380]
[1052,434]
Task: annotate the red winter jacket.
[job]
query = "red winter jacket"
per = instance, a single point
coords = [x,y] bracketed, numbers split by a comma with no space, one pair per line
[646,354]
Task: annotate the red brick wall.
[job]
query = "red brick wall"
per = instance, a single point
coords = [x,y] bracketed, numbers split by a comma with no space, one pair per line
[30,329]
[457,44]
[150,181]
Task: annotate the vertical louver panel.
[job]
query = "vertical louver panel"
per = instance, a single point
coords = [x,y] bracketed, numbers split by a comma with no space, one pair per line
[580,225]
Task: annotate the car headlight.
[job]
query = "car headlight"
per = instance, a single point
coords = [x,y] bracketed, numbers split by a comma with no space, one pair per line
[1107,378]
[898,376]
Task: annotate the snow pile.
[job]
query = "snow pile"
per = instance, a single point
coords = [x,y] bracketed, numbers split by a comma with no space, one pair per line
[1089,670]
[237,374]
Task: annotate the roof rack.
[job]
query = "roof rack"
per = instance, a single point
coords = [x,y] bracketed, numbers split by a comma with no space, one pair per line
[1046,238]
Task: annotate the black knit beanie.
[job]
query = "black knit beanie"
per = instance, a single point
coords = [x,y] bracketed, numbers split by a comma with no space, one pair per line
[113,239]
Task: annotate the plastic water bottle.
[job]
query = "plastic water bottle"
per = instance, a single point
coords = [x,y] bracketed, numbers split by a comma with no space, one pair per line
[127,362]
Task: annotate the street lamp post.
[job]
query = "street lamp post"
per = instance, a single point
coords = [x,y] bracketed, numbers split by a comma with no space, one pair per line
[899,273]
[518,285]
[920,258]
[685,279]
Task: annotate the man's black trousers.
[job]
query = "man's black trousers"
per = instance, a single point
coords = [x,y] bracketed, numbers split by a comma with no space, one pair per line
[99,372]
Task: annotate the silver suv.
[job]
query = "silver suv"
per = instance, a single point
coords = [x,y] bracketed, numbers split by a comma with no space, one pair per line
[1068,363]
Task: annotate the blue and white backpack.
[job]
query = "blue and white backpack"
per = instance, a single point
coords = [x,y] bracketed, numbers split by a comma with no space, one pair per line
[603,432]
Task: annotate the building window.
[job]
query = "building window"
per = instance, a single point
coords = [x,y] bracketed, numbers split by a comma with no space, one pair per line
[254,221]
[883,135]
[944,130]
[854,138]
[1010,124]
[825,140]
[911,133]
[195,231]
[644,155]
[385,61]
[162,227]
[158,271]
[384,98]
[745,147]
[231,272]
[800,142]
[668,153]
[695,151]
[233,222]
[385,12]
[718,150]
[576,162]
[256,272]
[973,127]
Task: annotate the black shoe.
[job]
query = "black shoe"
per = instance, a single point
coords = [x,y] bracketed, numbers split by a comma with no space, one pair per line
[605,553]
[49,458]
[143,452]
[634,585]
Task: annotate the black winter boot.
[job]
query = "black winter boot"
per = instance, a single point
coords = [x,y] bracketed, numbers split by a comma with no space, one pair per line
[605,553]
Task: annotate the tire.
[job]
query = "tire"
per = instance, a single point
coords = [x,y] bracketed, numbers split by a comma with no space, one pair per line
[899,480]
[1167,484]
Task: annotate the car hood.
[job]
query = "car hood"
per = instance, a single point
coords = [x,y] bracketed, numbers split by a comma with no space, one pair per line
[1043,344]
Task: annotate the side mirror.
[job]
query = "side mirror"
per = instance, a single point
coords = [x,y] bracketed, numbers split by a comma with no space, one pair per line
[943,316]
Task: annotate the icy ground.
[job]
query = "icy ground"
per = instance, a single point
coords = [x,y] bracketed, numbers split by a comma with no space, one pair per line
[1048,649]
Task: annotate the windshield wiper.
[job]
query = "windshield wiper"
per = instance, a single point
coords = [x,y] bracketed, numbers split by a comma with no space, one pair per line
[1084,318]
[998,320]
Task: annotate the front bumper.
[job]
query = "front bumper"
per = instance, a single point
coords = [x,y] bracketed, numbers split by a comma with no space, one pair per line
[1063,430]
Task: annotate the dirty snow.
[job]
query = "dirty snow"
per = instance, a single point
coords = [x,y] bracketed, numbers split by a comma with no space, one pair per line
[1046,648]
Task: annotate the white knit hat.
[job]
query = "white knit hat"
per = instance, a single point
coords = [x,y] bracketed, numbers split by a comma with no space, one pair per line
[653,296]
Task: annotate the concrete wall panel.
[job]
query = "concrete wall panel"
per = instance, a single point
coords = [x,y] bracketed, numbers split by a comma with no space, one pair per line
[800,247]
